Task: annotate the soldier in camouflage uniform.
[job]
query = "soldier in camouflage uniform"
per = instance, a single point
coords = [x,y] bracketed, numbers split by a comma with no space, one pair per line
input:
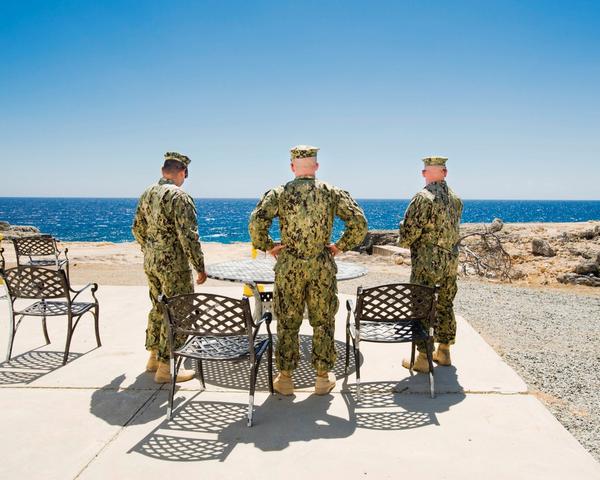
[430,230]
[166,228]
[305,269]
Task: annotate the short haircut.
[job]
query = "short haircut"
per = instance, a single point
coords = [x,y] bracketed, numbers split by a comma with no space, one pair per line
[173,166]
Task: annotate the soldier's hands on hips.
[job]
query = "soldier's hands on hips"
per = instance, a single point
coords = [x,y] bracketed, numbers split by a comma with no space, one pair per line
[333,249]
[201,278]
[275,250]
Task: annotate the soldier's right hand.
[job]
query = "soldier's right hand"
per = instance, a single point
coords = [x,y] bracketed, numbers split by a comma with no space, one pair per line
[275,250]
[201,278]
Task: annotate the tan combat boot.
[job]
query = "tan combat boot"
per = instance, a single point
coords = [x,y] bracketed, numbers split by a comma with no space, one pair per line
[283,383]
[324,383]
[163,374]
[442,354]
[421,363]
[152,364]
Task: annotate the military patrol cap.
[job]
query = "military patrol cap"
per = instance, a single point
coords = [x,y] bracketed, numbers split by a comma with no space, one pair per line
[303,151]
[435,161]
[178,157]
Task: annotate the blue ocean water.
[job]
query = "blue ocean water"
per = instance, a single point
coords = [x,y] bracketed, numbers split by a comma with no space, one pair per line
[226,220]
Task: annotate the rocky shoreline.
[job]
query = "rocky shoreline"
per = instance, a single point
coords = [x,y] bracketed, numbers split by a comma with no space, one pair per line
[541,254]
[8,231]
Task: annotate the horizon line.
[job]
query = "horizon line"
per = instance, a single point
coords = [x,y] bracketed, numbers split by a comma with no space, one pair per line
[74,197]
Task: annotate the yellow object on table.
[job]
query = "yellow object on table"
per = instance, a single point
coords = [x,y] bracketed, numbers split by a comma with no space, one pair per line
[247,289]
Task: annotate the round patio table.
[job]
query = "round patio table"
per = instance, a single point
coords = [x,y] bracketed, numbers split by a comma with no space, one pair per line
[260,271]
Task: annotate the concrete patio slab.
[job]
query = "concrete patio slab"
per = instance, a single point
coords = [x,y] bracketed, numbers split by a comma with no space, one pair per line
[101,415]
[119,362]
[306,436]
[54,433]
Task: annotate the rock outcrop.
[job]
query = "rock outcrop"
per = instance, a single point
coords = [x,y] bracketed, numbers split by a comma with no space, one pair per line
[541,247]
[8,231]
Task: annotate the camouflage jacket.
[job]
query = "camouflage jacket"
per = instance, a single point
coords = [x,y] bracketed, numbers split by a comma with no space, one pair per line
[306,208]
[166,227]
[432,219]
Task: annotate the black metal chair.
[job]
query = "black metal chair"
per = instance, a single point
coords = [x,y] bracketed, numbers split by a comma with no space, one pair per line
[394,313]
[41,251]
[30,283]
[218,328]
[2,266]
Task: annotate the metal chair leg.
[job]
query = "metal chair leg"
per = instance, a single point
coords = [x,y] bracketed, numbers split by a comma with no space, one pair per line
[69,337]
[97,325]
[253,368]
[12,331]
[430,361]
[270,366]
[357,366]
[200,372]
[45,329]
[173,370]
[347,363]
[412,355]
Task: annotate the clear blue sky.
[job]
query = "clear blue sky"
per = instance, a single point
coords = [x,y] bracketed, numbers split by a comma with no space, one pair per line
[92,93]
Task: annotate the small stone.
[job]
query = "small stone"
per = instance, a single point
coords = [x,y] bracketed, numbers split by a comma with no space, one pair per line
[517,274]
[496,225]
[4,226]
[541,247]
[587,268]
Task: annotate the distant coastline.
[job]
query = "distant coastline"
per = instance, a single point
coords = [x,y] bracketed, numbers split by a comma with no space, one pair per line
[225,220]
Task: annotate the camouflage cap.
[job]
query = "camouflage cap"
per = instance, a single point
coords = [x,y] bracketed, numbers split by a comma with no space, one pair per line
[303,151]
[435,161]
[178,157]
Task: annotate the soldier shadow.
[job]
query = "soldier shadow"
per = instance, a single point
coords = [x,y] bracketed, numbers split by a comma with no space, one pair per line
[402,405]
[236,375]
[33,365]
[279,422]
[118,406]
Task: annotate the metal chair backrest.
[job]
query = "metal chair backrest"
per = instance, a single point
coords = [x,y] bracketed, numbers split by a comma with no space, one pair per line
[36,282]
[205,314]
[37,246]
[395,302]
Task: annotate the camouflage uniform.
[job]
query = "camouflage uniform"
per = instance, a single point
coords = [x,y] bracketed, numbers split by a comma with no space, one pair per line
[430,230]
[305,269]
[165,226]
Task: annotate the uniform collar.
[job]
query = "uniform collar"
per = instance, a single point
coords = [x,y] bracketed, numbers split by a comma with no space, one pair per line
[306,177]
[166,181]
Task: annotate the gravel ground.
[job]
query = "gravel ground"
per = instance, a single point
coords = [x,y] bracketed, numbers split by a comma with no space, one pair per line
[551,338]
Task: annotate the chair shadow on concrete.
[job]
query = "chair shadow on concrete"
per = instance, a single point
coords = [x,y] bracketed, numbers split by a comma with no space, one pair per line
[402,405]
[190,435]
[235,375]
[109,401]
[30,366]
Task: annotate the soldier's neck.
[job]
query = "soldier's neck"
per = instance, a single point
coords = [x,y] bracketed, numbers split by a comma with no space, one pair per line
[441,182]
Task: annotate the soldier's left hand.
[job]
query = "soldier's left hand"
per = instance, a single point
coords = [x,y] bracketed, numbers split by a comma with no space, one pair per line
[333,249]
[201,278]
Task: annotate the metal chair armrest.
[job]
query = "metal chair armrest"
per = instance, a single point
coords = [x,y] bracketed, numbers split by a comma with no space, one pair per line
[350,305]
[94,288]
[266,319]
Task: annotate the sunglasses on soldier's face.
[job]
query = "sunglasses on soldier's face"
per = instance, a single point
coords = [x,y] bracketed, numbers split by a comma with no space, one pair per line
[186,172]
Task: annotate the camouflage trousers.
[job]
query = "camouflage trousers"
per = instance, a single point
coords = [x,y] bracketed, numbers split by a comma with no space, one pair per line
[438,268]
[169,284]
[305,283]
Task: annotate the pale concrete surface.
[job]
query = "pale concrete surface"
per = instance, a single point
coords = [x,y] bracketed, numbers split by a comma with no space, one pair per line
[389,250]
[101,414]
